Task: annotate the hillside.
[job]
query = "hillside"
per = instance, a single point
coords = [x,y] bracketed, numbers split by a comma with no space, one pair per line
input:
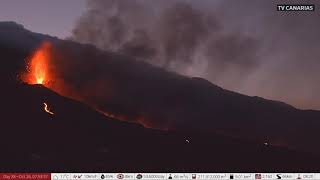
[224,124]
[78,138]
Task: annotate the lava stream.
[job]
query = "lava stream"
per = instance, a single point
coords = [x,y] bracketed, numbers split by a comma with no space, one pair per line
[47,109]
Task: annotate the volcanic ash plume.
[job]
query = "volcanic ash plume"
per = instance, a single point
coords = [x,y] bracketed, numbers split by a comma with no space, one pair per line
[175,35]
[244,46]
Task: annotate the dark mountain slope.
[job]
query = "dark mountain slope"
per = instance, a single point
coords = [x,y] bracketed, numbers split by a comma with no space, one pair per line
[171,101]
[77,138]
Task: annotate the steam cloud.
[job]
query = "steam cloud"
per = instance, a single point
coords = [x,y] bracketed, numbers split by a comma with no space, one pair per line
[244,46]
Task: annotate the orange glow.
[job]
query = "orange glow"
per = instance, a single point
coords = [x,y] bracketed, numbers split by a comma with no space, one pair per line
[38,66]
[111,115]
[42,68]
[47,109]
[141,120]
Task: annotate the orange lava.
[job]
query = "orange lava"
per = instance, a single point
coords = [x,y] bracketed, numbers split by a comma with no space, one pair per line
[38,66]
[42,70]
[46,108]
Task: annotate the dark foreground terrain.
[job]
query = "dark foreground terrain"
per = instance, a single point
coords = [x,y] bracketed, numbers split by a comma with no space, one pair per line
[77,138]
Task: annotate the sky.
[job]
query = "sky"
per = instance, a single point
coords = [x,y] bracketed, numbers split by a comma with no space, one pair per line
[244,46]
[54,17]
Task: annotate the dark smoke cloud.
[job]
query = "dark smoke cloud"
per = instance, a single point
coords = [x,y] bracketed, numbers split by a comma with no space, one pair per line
[172,35]
[129,89]
[244,46]
[183,29]
[139,46]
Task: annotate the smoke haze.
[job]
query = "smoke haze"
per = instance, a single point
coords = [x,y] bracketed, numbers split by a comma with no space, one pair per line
[244,46]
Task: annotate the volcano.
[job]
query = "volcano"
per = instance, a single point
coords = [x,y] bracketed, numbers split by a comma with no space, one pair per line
[78,138]
[45,128]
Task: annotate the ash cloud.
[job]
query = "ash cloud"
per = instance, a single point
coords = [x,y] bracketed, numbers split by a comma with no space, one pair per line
[175,35]
[118,85]
[244,46]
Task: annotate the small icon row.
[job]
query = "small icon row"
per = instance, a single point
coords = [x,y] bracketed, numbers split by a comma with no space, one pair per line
[180,176]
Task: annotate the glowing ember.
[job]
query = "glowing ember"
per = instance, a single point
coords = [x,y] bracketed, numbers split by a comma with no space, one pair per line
[47,109]
[38,67]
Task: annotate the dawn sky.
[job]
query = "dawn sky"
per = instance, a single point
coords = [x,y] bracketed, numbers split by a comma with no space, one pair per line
[273,54]
[44,16]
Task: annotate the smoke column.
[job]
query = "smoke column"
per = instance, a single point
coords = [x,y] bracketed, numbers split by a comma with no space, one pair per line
[244,46]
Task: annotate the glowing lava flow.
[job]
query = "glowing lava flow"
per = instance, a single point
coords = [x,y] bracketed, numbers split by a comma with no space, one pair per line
[47,109]
[41,69]
[38,67]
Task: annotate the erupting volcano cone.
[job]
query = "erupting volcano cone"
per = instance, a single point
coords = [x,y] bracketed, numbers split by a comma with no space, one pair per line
[38,66]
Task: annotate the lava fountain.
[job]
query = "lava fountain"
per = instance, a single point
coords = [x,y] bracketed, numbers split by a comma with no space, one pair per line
[38,66]
[41,70]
